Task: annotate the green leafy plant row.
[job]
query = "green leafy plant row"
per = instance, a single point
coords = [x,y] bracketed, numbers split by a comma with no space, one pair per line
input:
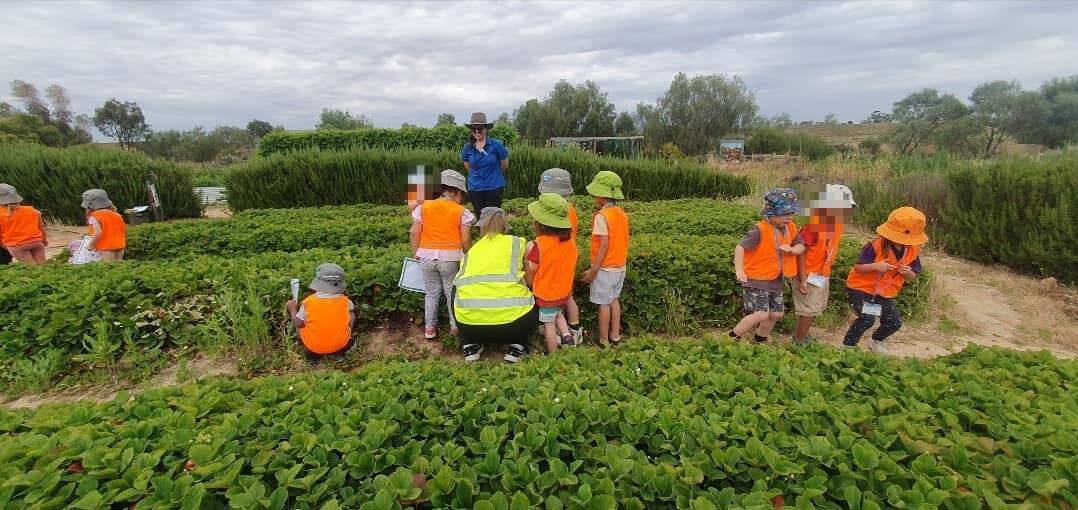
[51,316]
[654,424]
[261,230]
[444,137]
[319,177]
[53,180]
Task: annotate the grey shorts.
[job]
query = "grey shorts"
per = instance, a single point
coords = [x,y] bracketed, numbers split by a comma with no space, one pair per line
[607,287]
[759,300]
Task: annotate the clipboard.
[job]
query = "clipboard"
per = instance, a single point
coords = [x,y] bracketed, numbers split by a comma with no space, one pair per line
[84,255]
[412,277]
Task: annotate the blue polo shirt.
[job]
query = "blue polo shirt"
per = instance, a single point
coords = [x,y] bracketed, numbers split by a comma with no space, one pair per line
[485,165]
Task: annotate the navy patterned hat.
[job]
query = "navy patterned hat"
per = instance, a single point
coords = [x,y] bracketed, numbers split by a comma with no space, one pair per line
[780,201]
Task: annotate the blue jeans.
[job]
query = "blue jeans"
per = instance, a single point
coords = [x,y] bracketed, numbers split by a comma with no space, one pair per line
[890,317]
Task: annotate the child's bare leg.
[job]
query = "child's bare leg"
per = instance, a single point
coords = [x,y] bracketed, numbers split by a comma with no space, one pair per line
[604,324]
[764,329]
[801,330]
[748,322]
[572,312]
[615,319]
[561,325]
[550,336]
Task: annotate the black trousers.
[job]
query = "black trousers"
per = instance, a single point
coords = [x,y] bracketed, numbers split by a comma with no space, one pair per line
[890,318]
[314,357]
[516,332]
[5,256]
[486,198]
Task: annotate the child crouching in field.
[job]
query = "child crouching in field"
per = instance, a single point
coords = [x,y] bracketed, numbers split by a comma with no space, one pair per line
[885,264]
[609,254]
[560,182]
[551,266]
[325,318]
[768,252]
[822,236]
[22,230]
[108,232]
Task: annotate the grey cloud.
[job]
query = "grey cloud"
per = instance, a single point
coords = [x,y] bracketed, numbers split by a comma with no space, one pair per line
[200,63]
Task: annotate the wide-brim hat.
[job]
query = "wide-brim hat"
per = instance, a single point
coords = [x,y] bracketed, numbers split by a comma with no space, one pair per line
[556,180]
[780,202]
[8,195]
[328,278]
[479,119]
[904,225]
[551,210]
[606,184]
[96,199]
[454,179]
[486,214]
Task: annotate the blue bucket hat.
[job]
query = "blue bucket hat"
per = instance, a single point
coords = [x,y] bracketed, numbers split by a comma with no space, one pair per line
[780,202]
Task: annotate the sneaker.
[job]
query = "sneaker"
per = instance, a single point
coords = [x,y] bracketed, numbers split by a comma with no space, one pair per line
[847,346]
[568,341]
[430,333]
[578,335]
[516,353]
[877,347]
[807,341]
[472,352]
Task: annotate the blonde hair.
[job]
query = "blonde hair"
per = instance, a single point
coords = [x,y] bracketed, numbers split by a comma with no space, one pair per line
[495,225]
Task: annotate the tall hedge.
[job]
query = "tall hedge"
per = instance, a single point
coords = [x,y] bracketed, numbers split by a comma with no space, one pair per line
[1017,211]
[53,180]
[438,138]
[316,177]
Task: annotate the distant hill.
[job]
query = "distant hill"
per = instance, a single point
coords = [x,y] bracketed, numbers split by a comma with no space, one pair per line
[852,134]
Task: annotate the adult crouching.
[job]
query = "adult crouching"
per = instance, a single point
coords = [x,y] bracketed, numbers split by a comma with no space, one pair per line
[493,305]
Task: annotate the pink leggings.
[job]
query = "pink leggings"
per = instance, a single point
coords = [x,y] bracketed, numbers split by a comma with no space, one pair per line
[30,253]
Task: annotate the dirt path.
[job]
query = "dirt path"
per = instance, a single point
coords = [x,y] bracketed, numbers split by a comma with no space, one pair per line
[989,306]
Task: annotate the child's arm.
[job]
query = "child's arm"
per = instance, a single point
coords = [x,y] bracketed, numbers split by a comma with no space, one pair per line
[802,276]
[351,320]
[739,264]
[293,313]
[593,271]
[414,234]
[798,249]
[911,271]
[96,237]
[44,231]
[530,267]
[465,236]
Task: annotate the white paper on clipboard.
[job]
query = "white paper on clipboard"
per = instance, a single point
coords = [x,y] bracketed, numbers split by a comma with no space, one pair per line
[84,255]
[412,277]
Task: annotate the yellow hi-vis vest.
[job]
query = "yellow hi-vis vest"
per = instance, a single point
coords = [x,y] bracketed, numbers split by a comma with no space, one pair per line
[490,287]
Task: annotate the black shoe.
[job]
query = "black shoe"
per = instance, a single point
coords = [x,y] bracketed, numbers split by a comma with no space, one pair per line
[516,353]
[568,341]
[472,352]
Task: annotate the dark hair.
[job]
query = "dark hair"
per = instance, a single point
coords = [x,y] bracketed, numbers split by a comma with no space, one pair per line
[449,189]
[563,234]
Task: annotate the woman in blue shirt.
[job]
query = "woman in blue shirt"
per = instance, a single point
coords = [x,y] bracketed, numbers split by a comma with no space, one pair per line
[486,160]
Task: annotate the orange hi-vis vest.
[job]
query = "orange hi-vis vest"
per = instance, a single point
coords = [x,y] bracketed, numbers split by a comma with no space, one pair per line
[113,230]
[574,220]
[20,227]
[325,329]
[441,225]
[617,223]
[821,256]
[557,266]
[883,284]
[765,261]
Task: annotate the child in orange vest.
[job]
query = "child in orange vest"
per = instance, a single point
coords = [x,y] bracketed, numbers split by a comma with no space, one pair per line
[108,232]
[609,254]
[325,318]
[822,236]
[441,233]
[551,266]
[767,253]
[885,264]
[559,181]
[22,230]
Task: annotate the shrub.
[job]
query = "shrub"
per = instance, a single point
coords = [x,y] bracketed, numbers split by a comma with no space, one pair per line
[314,178]
[773,141]
[870,146]
[654,424]
[54,179]
[437,138]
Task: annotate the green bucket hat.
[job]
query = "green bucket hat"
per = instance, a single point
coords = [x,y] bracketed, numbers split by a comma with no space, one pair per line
[606,184]
[551,210]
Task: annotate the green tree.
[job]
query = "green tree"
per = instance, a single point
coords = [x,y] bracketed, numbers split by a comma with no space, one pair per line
[1061,125]
[830,119]
[696,112]
[503,120]
[6,110]
[1002,110]
[56,112]
[342,119]
[580,110]
[23,127]
[122,121]
[624,125]
[446,119]
[919,115]
[259,128]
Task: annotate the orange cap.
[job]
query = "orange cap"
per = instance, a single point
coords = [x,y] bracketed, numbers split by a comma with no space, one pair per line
[904,225]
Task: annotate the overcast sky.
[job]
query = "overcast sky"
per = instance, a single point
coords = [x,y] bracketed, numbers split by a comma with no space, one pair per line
[224,63]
